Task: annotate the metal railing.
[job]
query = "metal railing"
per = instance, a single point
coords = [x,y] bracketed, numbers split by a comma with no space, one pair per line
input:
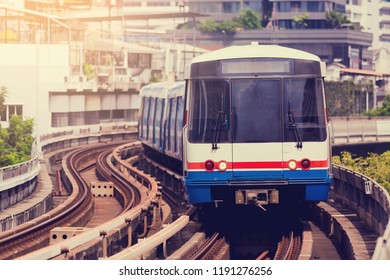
[359,130]
[367,199]
[12,173]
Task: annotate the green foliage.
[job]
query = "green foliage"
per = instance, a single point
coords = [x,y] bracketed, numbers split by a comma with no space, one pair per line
[212,26]
[335,19]
[16,141]
[299,21]
[346,98]
[227,27]
[208,26]
[3,95]
[88,71]
[376,167]
[338,97]
[249,20]
[384,110]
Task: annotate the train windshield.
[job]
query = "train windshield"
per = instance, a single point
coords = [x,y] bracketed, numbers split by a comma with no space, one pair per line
[256,110]
[210,114]
[304,114]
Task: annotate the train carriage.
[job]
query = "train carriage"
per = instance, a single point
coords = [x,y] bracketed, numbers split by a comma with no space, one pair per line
[257,130]
[248,127]
[161,118]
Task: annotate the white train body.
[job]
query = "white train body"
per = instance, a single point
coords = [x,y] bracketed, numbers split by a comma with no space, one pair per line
[257,131]
[247,127]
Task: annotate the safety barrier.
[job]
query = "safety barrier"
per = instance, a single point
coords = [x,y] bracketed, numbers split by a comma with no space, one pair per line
[10,174]
[18,170]
[359,130]
[367,199]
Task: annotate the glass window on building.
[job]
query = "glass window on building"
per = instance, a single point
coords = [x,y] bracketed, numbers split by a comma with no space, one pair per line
[203,7]
[119,59]
[315,6]
[132,3]
[231,7]
[253,5]
[339,8]
[3,116]
[91,57]
[295,6]
[158,4]
[139,60]
[284,7]
[9,110]
[59,119]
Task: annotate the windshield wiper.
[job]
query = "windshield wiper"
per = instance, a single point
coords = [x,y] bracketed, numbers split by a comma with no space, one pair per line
[217,130]
[293,123]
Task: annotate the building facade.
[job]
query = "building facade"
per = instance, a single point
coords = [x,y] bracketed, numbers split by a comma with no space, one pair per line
[314,12]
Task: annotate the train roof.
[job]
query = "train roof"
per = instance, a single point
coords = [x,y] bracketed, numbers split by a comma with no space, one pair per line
[163,89]
[255,50]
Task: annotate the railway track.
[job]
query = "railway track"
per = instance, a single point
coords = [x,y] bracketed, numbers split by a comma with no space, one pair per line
[75,211]
[129,196]
[117,165]
[216,246]
[33,237]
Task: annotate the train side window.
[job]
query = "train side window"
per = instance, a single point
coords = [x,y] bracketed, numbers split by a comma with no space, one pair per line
[157,121]
[172,121]
[141,118]
[179,123]
[145,115]
[162,125]
[151,135]
[168,126]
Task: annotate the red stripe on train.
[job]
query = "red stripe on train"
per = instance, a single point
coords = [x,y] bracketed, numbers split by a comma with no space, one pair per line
[259,165]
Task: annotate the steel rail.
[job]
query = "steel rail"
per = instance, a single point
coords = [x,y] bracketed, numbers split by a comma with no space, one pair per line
[148,244]
[123,221]
[80,199]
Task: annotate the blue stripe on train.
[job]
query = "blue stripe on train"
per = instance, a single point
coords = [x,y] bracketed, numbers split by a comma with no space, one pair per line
[317,182]
[297,176]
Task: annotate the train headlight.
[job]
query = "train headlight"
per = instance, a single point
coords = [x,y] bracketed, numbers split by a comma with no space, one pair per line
[209,165]
[222,165]
[292,164]
[305,164]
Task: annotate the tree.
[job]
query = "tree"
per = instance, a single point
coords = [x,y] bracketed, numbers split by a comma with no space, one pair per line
[208,26]
[249,20]
[88,71]
[16,141]
[374,166]
[299,21]
[3,95]
[227,27]
[384,110]
[335,19]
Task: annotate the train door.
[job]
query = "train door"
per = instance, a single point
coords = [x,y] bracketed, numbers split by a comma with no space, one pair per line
[257,133]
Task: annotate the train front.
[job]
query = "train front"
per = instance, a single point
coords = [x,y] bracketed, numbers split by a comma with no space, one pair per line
[256,131]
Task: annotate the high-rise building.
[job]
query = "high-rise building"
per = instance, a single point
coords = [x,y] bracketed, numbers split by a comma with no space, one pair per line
[314,13]
[225,9]
[374,16]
